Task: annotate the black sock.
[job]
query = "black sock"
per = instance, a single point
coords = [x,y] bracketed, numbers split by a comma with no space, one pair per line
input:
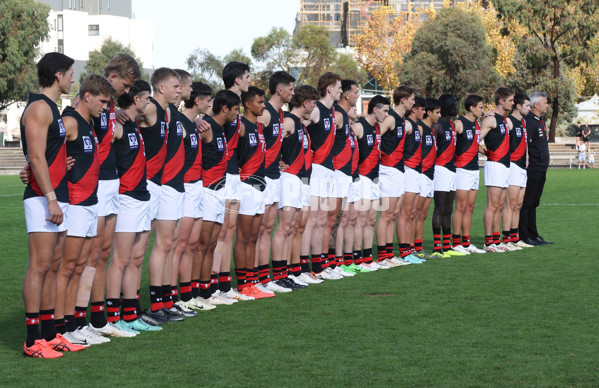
[155,298]
[223,281]
[205,291]
[61,325]
[80,316]
[47,324]
[195,288]
[305,263]
[70,322]
[174,294]
[185,291]
[33,328]
[97,318]
[167,298]
[129,310]
[316,263]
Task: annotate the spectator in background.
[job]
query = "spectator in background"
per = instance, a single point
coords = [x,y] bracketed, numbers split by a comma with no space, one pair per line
[586,134]
[582,156]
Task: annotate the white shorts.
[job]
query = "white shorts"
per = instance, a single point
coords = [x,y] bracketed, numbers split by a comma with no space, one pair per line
[193,199]
[232,189]
[214,206]
[466,179]
[252,202]
[354,191]
[36,212]
[391,182]
[134,216]
[496,174]
[305,194]
[411,181]
[365,188]
[108,197]
[155,195]
[291,191]
[171,204]
[83,221]
[427,188]
[581,157]
[271,193]
[517,176]
[342,184]
[444,179]
[322,182]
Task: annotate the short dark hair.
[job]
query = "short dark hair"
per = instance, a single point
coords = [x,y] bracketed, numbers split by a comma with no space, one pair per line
[520,98]
[472,101]
[419,102]
[277,78]
[432,104]
[401,92]
[161,75]
[125,100]
[224,98]
[232,71]
[449,105]
[182,73]
[326,80]
[346,85]
[251,93]
[124,65]
[49,65]
[377,102]
[304,93]
[95,84]
[198,89]
[502,93]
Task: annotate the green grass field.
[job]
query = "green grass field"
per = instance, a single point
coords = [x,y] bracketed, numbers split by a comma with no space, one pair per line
[526,318]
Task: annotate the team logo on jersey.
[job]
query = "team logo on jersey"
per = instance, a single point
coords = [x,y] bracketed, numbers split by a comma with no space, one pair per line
[370,140]
[399,132]
[518,132]
[327,124]
[179,129]
[220,144]
[417,136]
[275,130]
[253,140]
[346,129]
[162,128]
[103,121]
[428,140]
[306,141]
[193,140]
[300,136]
[351,142]
[88,146]
[61,131]
[447,136]
[502,128]
[469,134]
[133,144]
[112,116]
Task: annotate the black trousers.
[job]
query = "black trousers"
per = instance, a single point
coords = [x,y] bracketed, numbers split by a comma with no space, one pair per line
[532,198]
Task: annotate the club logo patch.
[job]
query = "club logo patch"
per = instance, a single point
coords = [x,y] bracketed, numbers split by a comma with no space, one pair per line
[399,132]
[162,129]
[88,146]
[275,130]
[179,129]
[417,136]
[61,131]
[469,134]
[429,140]
[103,122]
[518,132]
[327,124]
[253,140]
[370,140]
[133,144]
[447,136]
[193,140]
[220,144]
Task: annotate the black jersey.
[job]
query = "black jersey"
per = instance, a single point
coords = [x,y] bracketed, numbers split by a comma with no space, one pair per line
[273,136]
[497,141]
[214,157]
[192,168]
[322,136]
[446,140]
[232,135]
[412,151]
[155,144]
[292,149]
[251,150]
[466,152]
[342,151]
[175,153]
[131,163]
[392,144]
[369,149]
[104,130]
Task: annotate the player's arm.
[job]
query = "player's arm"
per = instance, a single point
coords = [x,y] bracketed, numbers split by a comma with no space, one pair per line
[149,116]
[122,117]
[288,127]
[459,127]
[387,124]
[241,129]
[358,130]
[206,136]
[488,124]
[71,128]
[314,117]
[339,120]
[118,132]
[408,128]
[37,120]
[264,119]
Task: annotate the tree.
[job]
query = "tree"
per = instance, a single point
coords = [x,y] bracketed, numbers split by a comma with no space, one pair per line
[387,38]
[317,53]
[348,68]
[442,59]
[563,29]
[23,25]
[274,50]
[207,67]
[99,58]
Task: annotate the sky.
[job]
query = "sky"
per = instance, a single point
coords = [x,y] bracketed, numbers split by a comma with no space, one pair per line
[181,26]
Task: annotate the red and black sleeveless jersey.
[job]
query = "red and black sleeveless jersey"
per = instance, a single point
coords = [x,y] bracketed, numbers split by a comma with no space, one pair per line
[429,151]
[392,144]
[83,176]
[251,152]
[155,144]
[232,134]
[342,152]
[518,138]
[369,149]
[498,142]
[412,153]
[273,135]
[56,154]
[104,130]
[307,144]
[292,149]
[322,136]
[175,153]
[466,151]
[131,163]
[192,169]
[446,141]
[214,157]
[355,154]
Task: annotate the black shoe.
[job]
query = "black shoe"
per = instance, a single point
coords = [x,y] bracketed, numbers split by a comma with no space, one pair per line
[151,320]
[285,282]
[542,241]
[173,315]
[530,241]
[155,316]
[291,281]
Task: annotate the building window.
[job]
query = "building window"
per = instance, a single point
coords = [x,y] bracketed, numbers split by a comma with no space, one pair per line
[59,22]
[60,46]
[93,30]
[70,4]
[100,3]
[108,5]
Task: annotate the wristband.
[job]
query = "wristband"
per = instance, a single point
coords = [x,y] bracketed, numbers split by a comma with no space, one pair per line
[51,196]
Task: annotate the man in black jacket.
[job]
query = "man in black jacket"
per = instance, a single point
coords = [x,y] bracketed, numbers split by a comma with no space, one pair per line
[538,162]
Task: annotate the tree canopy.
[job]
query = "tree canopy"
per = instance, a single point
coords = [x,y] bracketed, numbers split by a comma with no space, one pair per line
[99,58]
